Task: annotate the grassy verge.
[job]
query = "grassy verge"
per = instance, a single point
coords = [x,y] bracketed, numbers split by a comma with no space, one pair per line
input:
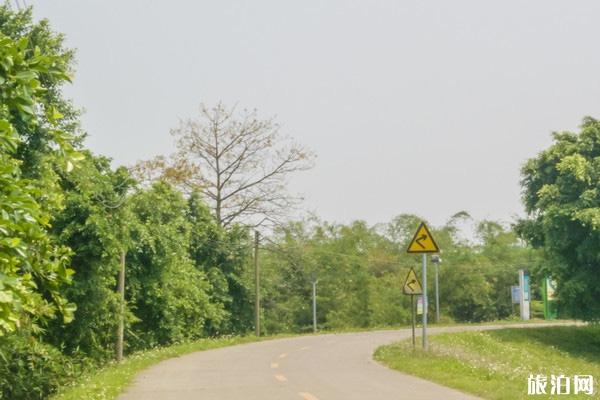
[108,382]
[443,324]
[496,364]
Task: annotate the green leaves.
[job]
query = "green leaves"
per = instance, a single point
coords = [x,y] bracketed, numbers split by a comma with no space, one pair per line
[561,189]
[33,268]
[171,297]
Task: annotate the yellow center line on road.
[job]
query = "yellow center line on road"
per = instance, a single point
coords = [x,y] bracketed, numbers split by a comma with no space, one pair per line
[307,396]
[284,355]
[280,378]
[274,365]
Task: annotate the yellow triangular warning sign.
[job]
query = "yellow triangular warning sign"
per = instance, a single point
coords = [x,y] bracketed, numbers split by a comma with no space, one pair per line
[423,241]
[412,284]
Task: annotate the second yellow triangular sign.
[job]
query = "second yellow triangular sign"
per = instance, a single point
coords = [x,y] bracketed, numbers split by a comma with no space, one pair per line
[423,242]
[412,284]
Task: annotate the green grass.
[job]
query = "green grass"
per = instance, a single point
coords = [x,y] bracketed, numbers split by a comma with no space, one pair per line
[445,323]
[496,364]
[107,383]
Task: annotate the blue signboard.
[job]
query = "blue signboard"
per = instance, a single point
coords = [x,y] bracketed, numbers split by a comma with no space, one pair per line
[515,294]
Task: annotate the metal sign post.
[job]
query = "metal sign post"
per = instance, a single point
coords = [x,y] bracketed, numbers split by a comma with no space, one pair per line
[425,303]
[314,305]
[524,294]
[436,260]
[437,295]
[412,311]
[256,286]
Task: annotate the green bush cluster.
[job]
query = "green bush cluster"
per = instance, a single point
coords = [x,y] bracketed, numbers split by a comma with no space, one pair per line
[30,369]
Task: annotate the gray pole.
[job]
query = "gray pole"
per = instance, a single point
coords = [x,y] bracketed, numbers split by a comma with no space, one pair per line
[256,286]
[437,295]
[314,306]
[121,290]
[425,302]
[524,303]
[414,318]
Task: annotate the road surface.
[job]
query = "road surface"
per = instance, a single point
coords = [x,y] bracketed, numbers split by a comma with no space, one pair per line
[322,367]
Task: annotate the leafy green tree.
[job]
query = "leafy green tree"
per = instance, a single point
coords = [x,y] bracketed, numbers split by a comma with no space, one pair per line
[223,255]
[286,268]
[402,229]
[33,268]
[503,254]
[561,193]
[387,305]
[169,296]
[352,264]
[475,278]
[95,224]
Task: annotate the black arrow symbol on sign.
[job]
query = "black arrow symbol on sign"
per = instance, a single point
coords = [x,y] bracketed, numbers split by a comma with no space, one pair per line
[422,237]
[410,283]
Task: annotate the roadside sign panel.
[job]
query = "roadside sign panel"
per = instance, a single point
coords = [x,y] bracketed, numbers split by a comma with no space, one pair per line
[419,305]
[515,294]
[423,242]
[549,286]
[412,284]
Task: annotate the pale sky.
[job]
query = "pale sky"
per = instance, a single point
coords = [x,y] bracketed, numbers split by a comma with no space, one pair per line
[426,107]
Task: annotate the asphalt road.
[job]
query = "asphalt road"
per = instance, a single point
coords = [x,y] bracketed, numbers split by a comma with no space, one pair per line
[322,367]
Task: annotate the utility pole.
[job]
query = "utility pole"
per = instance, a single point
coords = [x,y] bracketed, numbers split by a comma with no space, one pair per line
[437,295]
[436,260]
[414,318]
[425,302]
[123,238]
[314,301]
[256,285]
[121,290]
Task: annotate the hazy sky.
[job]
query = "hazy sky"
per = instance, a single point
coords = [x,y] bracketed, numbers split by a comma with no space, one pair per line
[428,107]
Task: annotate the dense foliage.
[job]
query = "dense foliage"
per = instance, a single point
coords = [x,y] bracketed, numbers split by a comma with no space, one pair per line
[30,369]
[93,225]
[361,270]
[561,193]
[33,267]
[169,295]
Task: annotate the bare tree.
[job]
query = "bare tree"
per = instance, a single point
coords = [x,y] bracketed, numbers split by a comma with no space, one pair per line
[238,161]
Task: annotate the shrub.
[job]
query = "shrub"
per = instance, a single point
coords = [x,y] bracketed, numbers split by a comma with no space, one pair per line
[31,369]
